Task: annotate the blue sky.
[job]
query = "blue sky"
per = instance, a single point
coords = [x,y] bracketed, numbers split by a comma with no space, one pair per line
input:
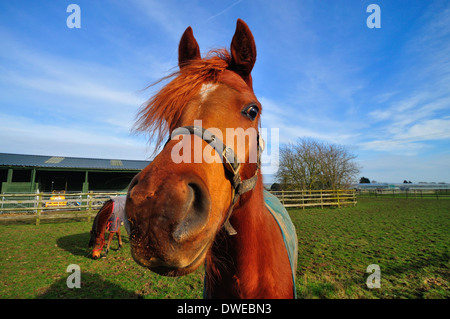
[320,73]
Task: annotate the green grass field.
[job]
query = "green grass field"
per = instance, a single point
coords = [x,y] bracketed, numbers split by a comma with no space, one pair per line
[408,238]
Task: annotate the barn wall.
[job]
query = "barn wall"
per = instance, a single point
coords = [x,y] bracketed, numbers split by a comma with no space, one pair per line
[30,180]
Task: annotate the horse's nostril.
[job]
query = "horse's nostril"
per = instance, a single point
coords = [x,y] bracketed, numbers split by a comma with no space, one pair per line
[200,203]
[197,207]
[197,201]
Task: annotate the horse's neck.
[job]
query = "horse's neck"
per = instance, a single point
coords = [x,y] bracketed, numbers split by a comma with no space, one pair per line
[102,219]
[247,265]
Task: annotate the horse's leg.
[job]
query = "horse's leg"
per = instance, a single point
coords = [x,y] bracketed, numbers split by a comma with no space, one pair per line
[119,238]
[110,237]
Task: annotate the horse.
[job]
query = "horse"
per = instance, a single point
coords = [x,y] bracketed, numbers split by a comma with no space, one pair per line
[110,217]
[201,201]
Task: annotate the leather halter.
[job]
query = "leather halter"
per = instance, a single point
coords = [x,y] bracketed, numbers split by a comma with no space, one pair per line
[231,164]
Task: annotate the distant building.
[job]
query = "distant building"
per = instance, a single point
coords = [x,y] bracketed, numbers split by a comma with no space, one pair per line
[32,173]
[425,186]
[401,186]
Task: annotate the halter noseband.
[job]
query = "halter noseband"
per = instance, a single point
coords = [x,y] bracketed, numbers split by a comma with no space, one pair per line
[231,164]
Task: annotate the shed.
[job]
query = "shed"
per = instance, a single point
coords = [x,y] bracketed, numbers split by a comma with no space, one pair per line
[31,173]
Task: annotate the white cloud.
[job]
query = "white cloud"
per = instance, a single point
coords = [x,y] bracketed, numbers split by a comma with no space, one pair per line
[294,124]
[62,90]
[78,86]
[435,129]
[23,135]
[408,125]
[393,146]
[414,113]
[67,76]
[397,109]
[411,140]
[59,105]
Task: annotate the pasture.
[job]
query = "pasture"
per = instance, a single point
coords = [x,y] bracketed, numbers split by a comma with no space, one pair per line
[408,238]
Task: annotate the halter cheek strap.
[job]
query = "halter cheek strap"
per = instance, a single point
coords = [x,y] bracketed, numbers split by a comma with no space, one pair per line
[101,246]
[231,164]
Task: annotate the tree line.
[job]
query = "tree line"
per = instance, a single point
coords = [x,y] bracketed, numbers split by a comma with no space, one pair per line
[310,164]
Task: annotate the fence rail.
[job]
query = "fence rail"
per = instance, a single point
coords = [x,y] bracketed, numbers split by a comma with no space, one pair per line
[39,206]
[406,193]
[316,198]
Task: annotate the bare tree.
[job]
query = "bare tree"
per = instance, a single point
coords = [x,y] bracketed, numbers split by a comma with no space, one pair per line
[309,164]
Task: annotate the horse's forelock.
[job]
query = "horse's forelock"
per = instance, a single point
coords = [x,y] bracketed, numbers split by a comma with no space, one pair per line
[162,112]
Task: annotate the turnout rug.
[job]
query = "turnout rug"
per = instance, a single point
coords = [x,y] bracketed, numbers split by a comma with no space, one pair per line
[287,228]
[118,214]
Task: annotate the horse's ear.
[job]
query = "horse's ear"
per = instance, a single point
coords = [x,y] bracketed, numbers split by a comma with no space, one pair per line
[243,51]
[188,49]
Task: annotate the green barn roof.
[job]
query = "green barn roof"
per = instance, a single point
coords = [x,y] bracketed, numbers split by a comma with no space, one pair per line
[21,160]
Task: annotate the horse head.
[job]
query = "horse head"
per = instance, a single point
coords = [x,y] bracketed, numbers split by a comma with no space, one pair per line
[182,200]
[97,239]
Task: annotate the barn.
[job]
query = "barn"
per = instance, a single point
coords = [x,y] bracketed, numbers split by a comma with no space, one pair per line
[36,173]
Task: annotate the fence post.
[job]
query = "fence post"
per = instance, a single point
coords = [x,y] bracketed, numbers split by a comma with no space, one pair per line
[282,197]
[303,199]
[90,202]
[321,199]
[339,205]
[354,198]
[39,209]
[89,213]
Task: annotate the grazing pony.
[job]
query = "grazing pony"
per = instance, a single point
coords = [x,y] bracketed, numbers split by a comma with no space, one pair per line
[110,217]
[201,201]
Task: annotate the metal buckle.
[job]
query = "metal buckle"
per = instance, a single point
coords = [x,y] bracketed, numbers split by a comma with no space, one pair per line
[229,165]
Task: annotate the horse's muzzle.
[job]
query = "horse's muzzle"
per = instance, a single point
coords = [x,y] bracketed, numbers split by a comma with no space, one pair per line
[166,219]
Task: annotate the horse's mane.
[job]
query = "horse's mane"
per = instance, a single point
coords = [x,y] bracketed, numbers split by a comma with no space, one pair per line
[162,112]
[100,221]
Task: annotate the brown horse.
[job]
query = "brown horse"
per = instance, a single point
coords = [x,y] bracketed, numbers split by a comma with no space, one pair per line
[208,208]
[109,217]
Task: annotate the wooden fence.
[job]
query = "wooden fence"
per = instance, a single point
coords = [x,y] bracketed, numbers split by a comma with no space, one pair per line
[405,193]
[39,206]
[42,206]
[317,198]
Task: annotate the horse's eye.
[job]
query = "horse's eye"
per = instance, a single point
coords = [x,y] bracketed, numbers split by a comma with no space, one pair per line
[251,111]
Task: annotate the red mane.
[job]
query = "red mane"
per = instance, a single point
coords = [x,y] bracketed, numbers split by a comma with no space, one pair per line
[162,112]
